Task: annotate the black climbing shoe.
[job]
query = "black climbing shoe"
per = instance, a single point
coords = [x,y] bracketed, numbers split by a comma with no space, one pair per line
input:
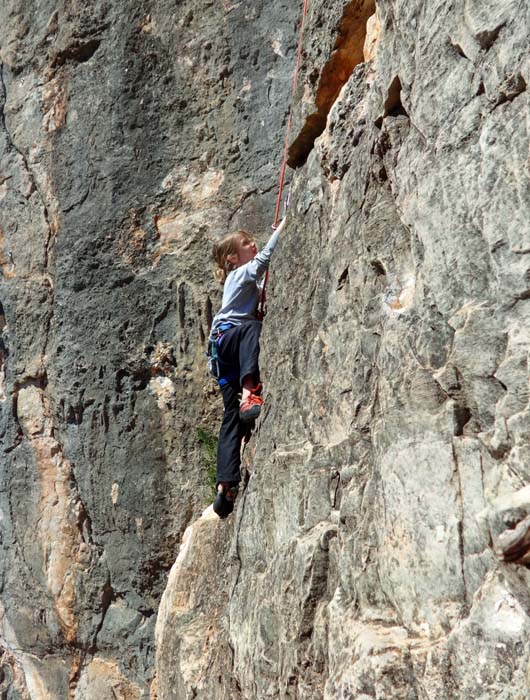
[224,501]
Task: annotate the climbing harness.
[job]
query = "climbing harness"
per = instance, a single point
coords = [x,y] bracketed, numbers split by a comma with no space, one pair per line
[263,292]
[213,358]
[214,363]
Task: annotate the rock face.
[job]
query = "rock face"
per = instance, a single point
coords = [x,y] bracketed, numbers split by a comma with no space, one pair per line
[379,548]
[372,553]
[131,135]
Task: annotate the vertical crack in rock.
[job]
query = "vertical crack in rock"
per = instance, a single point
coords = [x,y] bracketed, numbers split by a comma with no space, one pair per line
[4,353]
[237,554]
[461,535]
[64,519]
[64,530]
[29,171]
[75,673]
[64,527]
[346,54]
[51,226]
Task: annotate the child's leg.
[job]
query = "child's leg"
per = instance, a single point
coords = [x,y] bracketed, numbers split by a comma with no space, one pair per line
[249,355]
[230,436]
[239,355]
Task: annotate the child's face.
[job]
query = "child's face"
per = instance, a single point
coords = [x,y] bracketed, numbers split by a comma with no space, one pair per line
[246,251]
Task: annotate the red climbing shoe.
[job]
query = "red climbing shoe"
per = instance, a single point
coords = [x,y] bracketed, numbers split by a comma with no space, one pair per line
[250,407]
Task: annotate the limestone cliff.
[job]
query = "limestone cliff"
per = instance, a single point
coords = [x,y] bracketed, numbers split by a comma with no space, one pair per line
[379,548]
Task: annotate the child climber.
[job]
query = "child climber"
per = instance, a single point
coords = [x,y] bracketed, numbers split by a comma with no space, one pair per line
[234,352]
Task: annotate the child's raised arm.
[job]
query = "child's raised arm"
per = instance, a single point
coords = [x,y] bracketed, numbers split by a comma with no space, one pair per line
[260,263]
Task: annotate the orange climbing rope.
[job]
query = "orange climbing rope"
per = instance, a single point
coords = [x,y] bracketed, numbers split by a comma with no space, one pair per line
[261,306]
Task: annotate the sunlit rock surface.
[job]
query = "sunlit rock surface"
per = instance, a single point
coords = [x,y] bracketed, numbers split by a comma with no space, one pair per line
[379,549]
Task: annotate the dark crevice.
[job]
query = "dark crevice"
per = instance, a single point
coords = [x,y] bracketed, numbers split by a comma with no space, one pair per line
[74,415]
[84,522]
[38,380]
[514,87]
[129,381]
[345,56]
[462,550]
[393,106]
[381,174]
[182,305]
[336,490]
[517,545]
[461,535]
[237,554]
[486,39]
[459,50]
[343,279]
[19,432]
[78,53]
[209,312]
[462,416]
[75,672]
[378,267]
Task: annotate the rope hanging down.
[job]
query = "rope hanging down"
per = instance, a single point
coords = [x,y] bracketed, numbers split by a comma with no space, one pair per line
[261,306]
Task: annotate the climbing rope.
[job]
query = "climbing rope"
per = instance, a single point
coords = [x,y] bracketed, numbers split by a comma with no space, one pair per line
[283,169]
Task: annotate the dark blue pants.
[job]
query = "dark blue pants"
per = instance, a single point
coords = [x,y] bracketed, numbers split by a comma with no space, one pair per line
[238,352]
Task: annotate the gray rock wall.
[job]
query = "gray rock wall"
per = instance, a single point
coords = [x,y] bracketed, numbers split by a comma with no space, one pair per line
[131,134]
[379,548]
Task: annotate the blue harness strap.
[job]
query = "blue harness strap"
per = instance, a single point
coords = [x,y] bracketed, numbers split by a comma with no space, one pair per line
[225,327]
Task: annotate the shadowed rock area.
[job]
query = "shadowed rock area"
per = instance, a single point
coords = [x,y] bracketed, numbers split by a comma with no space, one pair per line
[131,135]
[379,549]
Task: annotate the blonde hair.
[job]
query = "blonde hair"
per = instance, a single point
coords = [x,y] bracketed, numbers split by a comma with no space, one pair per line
[226,246]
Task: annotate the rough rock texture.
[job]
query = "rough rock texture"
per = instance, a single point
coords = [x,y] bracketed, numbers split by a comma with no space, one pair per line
[379,548]
[131,134]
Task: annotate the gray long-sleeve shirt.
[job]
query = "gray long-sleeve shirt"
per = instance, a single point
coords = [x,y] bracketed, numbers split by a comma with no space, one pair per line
[242,288]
